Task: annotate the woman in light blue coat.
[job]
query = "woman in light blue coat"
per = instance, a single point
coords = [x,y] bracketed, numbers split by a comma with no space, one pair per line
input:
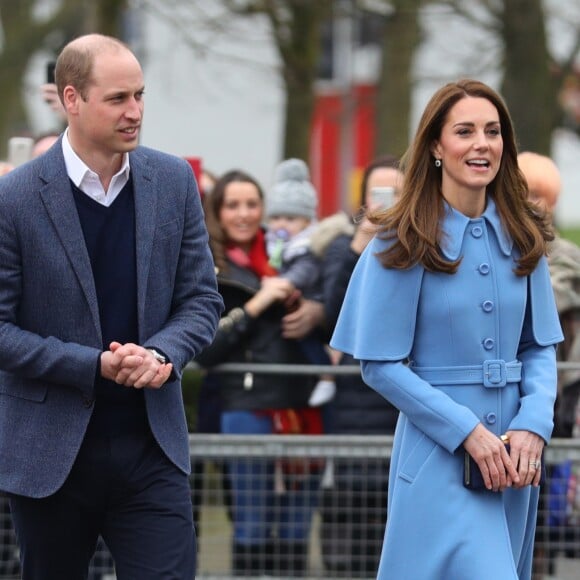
[451,312]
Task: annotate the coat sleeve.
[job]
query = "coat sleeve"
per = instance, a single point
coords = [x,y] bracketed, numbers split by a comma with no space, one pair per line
[431,410]
[195,303]
[377,296]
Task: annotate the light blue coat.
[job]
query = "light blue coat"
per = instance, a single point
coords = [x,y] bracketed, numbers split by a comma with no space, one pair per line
[464,336]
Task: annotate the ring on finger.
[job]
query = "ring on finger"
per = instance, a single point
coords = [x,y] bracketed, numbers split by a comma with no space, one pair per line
[535,464]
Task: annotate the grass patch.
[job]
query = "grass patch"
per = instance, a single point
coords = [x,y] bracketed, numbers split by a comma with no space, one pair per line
[572,234]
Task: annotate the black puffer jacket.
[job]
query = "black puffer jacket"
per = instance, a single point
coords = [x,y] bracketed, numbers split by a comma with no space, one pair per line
[240,338]
[356,408]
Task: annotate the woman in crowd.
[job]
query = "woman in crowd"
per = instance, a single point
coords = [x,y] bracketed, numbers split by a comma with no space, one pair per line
[353,502]
[271,517]
[467,354]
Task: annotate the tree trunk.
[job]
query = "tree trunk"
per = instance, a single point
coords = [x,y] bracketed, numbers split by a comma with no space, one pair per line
[109,17]
[299,43]
[23,36]
[529,88]
[402,36]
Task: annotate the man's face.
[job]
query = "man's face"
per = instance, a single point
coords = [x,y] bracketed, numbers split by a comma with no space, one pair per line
[107,121]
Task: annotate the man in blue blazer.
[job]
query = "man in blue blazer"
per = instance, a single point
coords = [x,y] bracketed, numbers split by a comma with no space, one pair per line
[108,290]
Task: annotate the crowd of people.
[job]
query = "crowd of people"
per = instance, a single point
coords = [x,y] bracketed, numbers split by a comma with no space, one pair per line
[437,284]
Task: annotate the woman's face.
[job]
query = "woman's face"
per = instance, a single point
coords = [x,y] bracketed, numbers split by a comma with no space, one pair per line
[240,215]
[470,148]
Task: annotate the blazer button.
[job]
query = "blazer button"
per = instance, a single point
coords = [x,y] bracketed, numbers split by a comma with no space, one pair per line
[490,418]
[487,306]
[88,402]
[484,269]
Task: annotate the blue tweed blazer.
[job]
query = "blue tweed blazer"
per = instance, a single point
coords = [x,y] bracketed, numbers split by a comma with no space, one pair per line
[50,336]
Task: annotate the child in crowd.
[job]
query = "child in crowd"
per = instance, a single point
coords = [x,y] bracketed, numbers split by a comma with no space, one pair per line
[291,212]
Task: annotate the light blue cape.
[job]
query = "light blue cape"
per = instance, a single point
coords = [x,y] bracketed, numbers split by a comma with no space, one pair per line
[378,315]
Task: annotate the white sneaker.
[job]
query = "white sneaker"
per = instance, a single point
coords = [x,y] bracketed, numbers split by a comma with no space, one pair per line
[323,392]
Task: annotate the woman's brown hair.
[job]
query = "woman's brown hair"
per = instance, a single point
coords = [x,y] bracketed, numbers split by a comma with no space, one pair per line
[411,224]
[213,203]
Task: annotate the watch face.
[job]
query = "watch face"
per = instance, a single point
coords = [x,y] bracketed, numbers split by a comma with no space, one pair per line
[157,356]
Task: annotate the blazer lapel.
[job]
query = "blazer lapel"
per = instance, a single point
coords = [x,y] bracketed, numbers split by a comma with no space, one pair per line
[59,202]
[145,195]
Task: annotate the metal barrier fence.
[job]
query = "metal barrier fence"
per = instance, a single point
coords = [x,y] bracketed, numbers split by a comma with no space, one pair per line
[341,483]
[346,508]
[345,537]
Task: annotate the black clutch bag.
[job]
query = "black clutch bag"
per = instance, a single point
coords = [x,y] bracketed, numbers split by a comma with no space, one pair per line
[472,478]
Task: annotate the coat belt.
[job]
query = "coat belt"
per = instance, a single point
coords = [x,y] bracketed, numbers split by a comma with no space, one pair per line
[492,374]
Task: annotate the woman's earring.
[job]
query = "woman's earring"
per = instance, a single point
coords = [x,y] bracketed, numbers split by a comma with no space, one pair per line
[437,162]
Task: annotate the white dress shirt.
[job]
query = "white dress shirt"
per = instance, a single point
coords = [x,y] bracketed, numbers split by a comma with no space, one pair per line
[88,181]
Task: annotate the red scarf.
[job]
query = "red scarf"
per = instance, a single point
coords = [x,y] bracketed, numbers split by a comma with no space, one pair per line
[256,259]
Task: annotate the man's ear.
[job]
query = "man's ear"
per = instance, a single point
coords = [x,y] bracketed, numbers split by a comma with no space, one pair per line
[71,99]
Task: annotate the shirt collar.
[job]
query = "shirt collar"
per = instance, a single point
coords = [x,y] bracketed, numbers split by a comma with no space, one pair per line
[77,169]
[455,223]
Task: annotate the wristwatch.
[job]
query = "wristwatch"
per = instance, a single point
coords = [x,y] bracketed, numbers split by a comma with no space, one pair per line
[158,356]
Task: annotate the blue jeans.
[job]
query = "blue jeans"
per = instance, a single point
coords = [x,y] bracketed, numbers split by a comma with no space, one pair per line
[261,513]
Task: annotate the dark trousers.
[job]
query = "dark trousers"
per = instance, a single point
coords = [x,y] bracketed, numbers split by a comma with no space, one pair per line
[125,489]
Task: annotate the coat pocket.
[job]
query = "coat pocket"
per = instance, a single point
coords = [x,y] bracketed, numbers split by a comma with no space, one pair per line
[168,229]
[417,457]
[22,389]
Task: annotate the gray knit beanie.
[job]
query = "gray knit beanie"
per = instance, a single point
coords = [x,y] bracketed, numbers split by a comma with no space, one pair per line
[292,192]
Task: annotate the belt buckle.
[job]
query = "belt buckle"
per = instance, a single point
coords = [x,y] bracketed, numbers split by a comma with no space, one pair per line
[494,374]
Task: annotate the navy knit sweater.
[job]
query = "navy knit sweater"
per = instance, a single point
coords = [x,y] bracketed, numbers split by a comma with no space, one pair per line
[109,234]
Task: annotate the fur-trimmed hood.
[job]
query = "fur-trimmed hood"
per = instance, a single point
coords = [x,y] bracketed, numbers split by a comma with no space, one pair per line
[328,229]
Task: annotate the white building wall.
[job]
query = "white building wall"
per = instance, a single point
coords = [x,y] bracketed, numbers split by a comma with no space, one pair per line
[225,104]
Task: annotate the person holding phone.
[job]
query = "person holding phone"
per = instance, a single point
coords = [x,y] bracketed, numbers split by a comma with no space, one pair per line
[108,292]
[49,93]
[354,498]
[383,197]
[467,353]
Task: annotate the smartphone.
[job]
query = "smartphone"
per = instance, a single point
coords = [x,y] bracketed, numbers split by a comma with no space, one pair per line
[50,72]
[19,150]
[382,197]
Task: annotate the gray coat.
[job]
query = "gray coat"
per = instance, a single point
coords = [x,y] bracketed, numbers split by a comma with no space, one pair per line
[50,335]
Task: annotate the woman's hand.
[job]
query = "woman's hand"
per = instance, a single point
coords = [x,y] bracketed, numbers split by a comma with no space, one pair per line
[491,456]
[526,452]
[302,320]
[363,235]
[274,289]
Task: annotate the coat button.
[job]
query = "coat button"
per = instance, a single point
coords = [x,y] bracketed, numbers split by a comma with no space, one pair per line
[477,231]
[488,343]
[88,402]
[484,269]
[487,306]
[490,418]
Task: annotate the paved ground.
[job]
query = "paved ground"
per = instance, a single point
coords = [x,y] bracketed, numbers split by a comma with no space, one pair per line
[566,569]
[215,549]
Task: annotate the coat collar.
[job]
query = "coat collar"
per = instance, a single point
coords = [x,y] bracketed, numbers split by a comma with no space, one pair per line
[455,223]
